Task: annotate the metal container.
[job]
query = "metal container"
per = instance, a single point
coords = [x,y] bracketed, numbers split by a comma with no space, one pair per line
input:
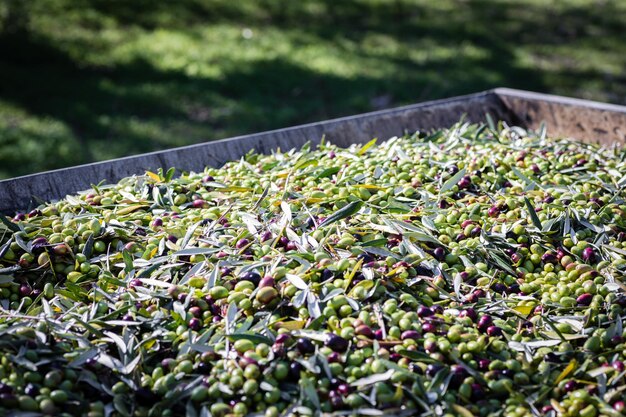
[565,117]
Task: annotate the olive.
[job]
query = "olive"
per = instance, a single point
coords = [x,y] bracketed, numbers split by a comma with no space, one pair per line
[251,276]
[266,295]
[305,346]
[336,343]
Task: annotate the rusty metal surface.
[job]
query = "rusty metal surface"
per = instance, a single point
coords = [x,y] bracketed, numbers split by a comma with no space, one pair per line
[584,120]
[580,119]
[24,192]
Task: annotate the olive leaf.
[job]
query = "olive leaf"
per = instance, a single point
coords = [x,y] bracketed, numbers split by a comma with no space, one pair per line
[365,147]
[253,337]
[533,214]
[452,181]
[347,211]
[9,224]
[372,379]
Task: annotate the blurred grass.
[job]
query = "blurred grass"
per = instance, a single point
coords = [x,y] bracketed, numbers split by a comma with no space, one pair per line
[87,80]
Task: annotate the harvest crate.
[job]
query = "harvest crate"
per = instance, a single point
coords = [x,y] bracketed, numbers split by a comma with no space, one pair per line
[579,119]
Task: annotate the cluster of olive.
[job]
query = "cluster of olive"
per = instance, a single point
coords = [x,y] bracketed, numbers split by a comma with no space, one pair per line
[391,277]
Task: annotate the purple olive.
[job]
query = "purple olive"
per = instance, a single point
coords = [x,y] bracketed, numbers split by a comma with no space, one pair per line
[484,322]
[25,290]
[252,276]
[199,203]
[589,254]
[265,236]
[423,311]
[493,211]
[294,370]
[494,331]
[429,328]
[336,342]
[465,182]
[267,281]
[305,346]
[432,369]
[410,334]
[195,324]
[34,213]
[584,299]
[39,242]
[618,366]
[549,258]
[335,399]
[499,287]
[334,357]
[19,217]
[570,386]
[439,254]
[477,391]
[326,274]
[365,330]
[430,346]
[469,312]
[242,243]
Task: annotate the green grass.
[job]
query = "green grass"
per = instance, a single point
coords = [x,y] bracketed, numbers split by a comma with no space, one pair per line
[87,80]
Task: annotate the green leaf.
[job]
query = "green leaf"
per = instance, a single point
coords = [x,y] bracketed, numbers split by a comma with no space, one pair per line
[380,252]
[365,147]
[309,391]
[253,337]
[170,174]
[491,124]
[328,172]
[88,249]
[9,224]
[128,261]
[501,262]
[530,184]
[452,181]
[374,243]
[372,379]
[342,213]
[533,214]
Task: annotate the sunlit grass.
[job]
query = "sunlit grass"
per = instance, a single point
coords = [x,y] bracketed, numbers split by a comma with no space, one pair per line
[94,79]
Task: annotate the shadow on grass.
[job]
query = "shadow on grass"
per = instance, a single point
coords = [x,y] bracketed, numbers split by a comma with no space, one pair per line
[134,107]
